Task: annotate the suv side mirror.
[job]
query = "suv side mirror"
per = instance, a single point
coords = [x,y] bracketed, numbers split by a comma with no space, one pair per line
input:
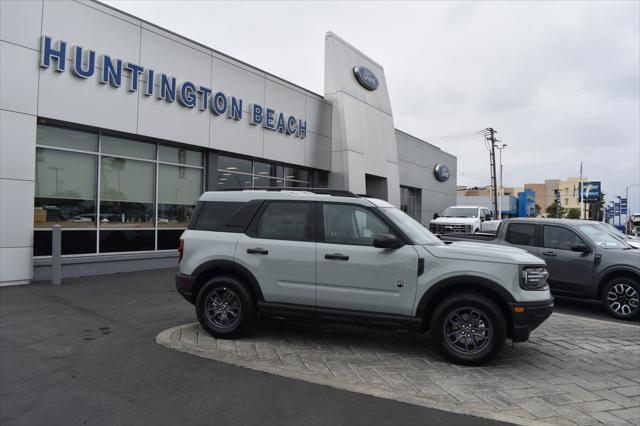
[582,248]
[386,241]
[488,216]
[436,215]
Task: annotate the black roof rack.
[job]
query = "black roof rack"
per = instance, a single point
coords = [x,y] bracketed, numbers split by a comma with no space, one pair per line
[325,191]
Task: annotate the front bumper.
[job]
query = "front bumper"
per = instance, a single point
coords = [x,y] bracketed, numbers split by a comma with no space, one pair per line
[184,284]
[527,316]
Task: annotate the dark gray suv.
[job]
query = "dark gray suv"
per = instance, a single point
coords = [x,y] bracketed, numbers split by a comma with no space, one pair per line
[583,259]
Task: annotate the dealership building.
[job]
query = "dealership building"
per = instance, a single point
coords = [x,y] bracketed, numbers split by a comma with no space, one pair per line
[112,127]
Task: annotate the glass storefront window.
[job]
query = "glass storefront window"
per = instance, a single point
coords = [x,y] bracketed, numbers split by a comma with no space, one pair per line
[292,173]
[411,202]
[178,191]
[234,165]
[227,179]
[67,138]
[170,154]
[128,148]
[65,189]
[127,190]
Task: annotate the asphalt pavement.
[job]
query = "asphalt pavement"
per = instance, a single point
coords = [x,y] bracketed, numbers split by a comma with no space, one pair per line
[84,353]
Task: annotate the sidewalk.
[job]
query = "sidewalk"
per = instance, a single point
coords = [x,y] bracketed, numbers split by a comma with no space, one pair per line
[573,370]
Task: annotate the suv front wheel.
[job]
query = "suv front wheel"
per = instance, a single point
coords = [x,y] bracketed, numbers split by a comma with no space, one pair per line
[468,328]
[224,307]
[621,297]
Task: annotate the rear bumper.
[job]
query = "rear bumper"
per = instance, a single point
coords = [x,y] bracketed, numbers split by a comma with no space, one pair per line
[184,284]
[533,315]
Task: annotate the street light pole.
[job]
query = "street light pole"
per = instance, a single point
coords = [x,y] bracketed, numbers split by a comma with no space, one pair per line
[626,196]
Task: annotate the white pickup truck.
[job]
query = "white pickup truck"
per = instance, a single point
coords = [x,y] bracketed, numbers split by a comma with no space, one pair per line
[465,219]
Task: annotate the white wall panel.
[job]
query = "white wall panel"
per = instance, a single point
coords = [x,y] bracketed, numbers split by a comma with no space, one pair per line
[81,25]
[340,58]
[171,121]
[66,97]
[317,151]
[16,213]
[17,145]
[165,55]
[318,116]
[19,78]
[236,81]
[236,136]
[285,148]
[282,98]
[20,22]
[16,265]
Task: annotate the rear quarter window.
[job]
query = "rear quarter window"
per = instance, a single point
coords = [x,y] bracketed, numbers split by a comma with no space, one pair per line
[223,216]
[523,234]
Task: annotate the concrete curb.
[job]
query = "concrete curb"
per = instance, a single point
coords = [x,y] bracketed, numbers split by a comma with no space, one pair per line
[164,338]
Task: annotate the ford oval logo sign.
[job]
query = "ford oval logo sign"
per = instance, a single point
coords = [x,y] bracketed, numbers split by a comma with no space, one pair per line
[366,78]
[441,172]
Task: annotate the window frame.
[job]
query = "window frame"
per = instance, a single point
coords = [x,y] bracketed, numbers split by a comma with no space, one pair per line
[543,242]
[311,232]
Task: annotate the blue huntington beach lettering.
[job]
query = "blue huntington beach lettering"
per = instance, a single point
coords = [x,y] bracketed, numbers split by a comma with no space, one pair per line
[110,72]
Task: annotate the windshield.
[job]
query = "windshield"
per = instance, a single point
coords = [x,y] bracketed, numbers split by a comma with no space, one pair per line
[603,238]
[615,231]
[413,229]
[460,212]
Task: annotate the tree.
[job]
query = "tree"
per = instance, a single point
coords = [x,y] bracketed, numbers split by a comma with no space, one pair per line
[551,210]
[573,214]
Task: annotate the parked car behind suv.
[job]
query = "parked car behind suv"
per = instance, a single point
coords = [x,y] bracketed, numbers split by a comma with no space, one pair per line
[333,256]
[583,257]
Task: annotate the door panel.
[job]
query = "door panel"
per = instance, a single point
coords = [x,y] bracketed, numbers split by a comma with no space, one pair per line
[280,251]
[286,273]
[371,279]
[351,273]
[569,271]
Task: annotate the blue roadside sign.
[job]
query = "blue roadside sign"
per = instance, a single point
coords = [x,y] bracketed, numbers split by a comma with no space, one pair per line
[623,206]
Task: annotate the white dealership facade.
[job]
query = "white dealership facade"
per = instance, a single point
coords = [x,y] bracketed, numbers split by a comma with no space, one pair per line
[111,127]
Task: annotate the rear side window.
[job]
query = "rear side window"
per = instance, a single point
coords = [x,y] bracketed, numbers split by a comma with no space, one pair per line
[523,234]
[285,221]
[223,216]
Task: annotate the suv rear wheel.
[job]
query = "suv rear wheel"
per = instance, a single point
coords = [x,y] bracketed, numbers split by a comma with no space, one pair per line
[621,297]
[224,307]
[468,328]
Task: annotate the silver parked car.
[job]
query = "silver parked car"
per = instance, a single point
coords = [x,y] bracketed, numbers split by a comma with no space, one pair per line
[336,257]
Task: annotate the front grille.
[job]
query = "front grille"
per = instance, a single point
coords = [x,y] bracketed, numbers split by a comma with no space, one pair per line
[442,228]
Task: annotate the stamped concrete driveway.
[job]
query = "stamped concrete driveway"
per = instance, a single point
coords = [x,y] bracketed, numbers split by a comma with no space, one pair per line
[573,370]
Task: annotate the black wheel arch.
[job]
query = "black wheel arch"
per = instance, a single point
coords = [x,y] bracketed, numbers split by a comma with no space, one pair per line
[616,272]
[470,284]
[216,268]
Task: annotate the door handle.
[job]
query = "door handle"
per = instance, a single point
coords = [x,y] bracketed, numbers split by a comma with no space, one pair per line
[549,253]
[257,251]
[336,256]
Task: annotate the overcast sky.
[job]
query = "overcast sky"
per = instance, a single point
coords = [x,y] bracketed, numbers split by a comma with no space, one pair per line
[559,81]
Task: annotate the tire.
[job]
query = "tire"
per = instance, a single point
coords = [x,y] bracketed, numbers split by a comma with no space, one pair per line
[484,318]
[621,298]
[236,308]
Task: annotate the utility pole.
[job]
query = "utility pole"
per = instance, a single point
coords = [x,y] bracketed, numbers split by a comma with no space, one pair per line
[500,147]
[491,137]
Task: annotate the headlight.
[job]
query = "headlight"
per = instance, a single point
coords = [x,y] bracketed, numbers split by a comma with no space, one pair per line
[534,278]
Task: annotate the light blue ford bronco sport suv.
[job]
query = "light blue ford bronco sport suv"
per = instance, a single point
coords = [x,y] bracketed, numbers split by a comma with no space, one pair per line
[333,256]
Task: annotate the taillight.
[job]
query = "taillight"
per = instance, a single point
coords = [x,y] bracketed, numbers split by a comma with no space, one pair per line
[180,250]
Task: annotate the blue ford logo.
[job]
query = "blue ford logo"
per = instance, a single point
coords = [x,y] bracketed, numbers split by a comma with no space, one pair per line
[441,172]
[366,78]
